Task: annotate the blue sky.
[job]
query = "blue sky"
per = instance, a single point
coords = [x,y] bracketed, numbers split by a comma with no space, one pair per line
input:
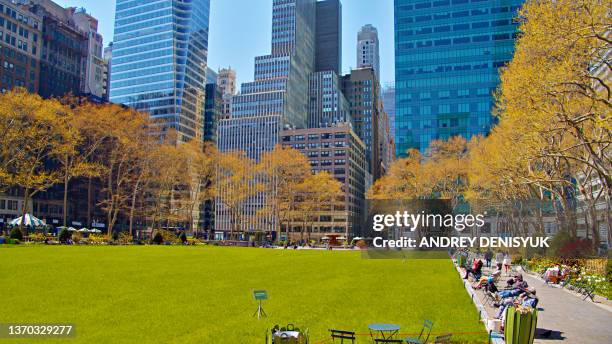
[240,30]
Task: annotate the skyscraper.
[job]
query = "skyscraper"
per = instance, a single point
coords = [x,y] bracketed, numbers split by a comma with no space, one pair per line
[368,49]
[447,56]
[277,99]
[159,61]
[362,91]
[328,106]
[328,33]
[388,98]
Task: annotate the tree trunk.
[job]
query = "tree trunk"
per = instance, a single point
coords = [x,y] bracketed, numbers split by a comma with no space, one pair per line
[89,222]
[65,212]
[26,199]
[133,206]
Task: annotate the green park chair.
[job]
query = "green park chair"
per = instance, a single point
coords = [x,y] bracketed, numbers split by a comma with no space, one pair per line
[342,336]
[423,337]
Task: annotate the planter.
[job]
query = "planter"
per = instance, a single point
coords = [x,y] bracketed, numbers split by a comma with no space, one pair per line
[520,325]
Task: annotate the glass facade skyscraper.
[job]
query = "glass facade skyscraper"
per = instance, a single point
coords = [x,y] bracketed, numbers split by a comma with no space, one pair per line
[447,57]
[159,61]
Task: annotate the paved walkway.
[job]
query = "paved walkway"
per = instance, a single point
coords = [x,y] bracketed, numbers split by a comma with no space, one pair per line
[565,317]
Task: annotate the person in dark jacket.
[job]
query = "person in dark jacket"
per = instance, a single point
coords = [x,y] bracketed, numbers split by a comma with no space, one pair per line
[476,270]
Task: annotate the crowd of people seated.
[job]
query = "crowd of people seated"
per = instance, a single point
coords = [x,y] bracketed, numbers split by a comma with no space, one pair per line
[516,291]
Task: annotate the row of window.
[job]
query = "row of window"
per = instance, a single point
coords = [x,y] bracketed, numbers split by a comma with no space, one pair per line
[455,27]
[9,204]
[455,41]
[19,16]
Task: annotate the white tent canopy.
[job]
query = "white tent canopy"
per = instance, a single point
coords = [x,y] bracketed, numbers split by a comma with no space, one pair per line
[28,221]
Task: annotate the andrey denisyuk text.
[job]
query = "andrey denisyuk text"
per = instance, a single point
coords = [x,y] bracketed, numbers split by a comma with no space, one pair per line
[459,222]
[461,242]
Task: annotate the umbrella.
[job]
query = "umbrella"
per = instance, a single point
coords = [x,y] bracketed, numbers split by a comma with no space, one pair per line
[325,238]
[95,231]
[85,230]
[30,221]
[341,238]
[72,229]
[357,238]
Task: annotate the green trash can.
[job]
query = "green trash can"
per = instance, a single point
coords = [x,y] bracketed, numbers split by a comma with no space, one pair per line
[520,325]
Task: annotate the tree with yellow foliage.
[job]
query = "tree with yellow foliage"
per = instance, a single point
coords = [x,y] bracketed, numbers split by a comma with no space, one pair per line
[237,182]
[283,169]
[36,132]
[319,193]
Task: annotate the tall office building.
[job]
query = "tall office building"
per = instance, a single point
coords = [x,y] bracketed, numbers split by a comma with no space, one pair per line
[328,41]
[93,65]
[447,56]
[388,98]
[20,42]
[64,52]
[362,92]
[340,152]
[368,49]
[276,99]
[328,106]
[159,61]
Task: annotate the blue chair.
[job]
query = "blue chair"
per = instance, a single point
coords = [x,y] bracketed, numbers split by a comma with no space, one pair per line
[423,337]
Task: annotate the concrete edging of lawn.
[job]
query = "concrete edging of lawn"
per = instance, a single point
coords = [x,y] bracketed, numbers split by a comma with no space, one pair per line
[482,312]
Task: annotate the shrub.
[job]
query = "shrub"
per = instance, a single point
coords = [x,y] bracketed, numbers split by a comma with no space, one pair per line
[124,238]
[16,234]
[64,235]
[98,239]
[183,237]
[38,237]
[77,236]
[158,238]
[14,241]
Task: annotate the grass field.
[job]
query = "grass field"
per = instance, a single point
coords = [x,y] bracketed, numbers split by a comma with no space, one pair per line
[172,294]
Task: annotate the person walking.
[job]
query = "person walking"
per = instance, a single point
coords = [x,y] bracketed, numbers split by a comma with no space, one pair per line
[499,258]
[507,262]
[488,256]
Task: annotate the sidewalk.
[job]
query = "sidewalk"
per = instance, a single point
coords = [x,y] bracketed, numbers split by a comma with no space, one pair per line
[569,319]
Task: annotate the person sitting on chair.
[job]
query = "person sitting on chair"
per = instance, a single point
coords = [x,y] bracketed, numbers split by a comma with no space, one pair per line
[516,282]
[525,299]
[486,280]
[476,270]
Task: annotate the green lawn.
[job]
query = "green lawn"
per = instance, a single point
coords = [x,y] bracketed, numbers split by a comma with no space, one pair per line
[172,294]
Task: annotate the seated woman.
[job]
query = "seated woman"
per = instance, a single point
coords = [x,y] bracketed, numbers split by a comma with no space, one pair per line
[525,299]
[488,280]
[476,270]
[516,282]
[511,293]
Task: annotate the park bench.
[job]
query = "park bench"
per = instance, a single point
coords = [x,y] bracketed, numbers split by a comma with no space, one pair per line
[342,335]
